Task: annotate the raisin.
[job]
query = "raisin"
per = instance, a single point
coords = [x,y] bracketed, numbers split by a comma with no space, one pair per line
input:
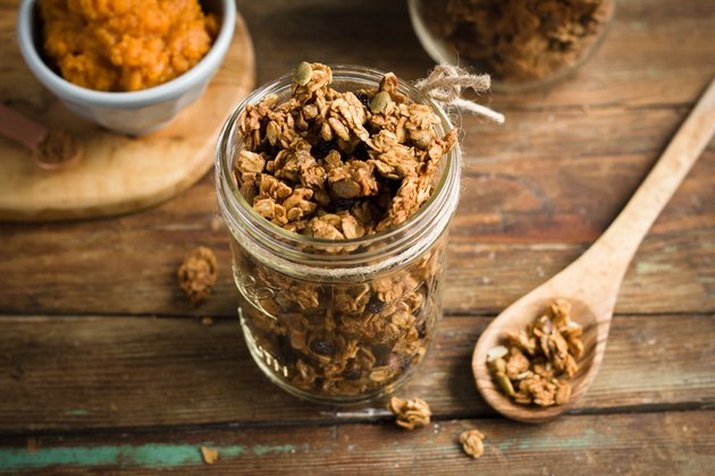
[353,373]
[375,305]
[322,347]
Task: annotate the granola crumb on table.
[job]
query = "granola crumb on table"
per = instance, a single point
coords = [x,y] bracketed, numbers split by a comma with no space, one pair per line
[209,455]
[535,365]
[472,442]
[410,414]
[197,274]
[339,165]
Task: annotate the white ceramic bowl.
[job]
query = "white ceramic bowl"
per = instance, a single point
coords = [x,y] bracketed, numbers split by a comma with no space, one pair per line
[137,112]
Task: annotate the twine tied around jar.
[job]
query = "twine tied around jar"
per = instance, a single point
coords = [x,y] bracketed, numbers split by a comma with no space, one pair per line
[444,85]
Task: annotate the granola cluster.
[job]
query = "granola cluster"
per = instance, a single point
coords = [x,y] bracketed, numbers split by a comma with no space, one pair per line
[197,274]
[535,366]
[209,455]
[472,443]
[519,40]
[410,414]
[338,165]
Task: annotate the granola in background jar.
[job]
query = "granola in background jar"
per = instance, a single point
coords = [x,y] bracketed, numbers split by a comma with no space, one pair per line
[337,186]
[522,44]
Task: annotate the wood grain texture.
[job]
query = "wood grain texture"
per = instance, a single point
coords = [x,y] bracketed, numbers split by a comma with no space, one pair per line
[104,391]
[529,207]
[94,372]
[116,173]
[648,443]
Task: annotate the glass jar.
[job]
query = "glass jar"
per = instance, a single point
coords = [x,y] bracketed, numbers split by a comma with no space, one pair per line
[522,44]
[345,321]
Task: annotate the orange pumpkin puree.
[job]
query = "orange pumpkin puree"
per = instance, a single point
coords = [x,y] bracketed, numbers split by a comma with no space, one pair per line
[125,45]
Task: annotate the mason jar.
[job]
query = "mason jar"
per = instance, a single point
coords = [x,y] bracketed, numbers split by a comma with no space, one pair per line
[346,321]
[521,44]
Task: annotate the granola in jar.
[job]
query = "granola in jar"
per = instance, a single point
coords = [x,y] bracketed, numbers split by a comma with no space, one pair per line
[337,186]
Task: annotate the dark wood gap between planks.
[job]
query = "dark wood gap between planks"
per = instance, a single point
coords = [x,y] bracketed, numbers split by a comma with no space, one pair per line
[682,407]
[648,443]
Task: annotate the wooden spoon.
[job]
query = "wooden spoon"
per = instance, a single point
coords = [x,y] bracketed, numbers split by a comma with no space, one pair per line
[591,282]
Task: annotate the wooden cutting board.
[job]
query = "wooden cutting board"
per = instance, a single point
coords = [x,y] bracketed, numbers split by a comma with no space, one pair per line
[116,174]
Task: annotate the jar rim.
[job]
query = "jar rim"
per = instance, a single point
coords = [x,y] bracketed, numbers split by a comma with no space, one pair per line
[232,202]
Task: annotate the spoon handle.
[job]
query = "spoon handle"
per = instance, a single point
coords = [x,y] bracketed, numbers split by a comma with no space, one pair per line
[21,129]
[618,244]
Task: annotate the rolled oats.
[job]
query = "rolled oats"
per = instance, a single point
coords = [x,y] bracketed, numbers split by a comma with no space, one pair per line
[535,364]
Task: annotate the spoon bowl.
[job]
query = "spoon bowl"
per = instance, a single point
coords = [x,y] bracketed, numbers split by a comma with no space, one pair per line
[516,317]
[591,283]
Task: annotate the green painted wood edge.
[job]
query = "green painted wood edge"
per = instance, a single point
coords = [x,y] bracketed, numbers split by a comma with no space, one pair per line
[151,455]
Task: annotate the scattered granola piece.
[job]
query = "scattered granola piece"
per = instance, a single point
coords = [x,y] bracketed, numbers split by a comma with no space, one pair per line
[411,414]
[209,455]
[197,274]
[207,321]
[472,443]
[536,363]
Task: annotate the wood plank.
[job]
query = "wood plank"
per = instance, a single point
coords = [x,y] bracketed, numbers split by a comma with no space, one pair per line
[648,443]
[75,373]
[657,52]
[530,205]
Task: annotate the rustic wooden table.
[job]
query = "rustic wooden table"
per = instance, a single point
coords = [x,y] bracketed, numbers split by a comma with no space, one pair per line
[105,368]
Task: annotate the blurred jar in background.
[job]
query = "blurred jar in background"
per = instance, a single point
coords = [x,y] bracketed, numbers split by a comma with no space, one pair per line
[522,44]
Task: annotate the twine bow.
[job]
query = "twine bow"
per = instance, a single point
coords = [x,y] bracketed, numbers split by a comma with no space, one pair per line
[444,84]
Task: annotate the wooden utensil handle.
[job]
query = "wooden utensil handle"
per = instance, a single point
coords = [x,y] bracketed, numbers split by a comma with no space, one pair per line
[21,129]
[619,243]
